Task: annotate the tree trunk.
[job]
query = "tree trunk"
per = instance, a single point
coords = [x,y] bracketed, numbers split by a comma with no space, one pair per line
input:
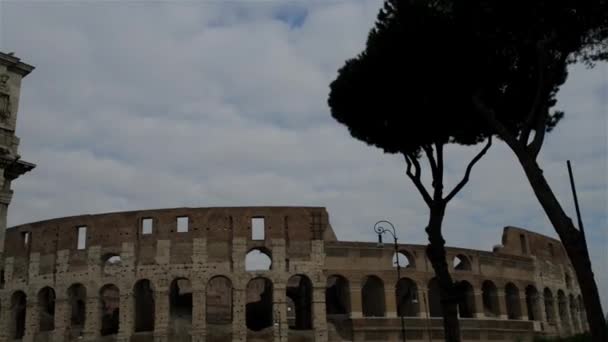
[435,251]
[573,243]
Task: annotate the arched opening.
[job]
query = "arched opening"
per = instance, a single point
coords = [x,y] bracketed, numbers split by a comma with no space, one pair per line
[490,299]
[573,313]
[46,309]
[406,294]
[372,297]
[404,259]
[180,303]
[582,312]
[143,295]
[562,306]
[461,263]
[109,305]
[532,303]
[258,259]
[549,308]
[434,299]
[77,297]
[219,301]
[259,304]
[110,263]
[299,290]
[568,281]
[512,301]
[337,296]
[466,303]
[18,310]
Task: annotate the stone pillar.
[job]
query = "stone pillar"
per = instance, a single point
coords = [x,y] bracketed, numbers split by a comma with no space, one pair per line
[239,325]
[62,316]
[390,302]
[199,323]
[125,328]
[423,305]
[568,326]
[540,302]
[502,303]
[479,311]
[281,326]
[31,319]
[5,318]
[5,200]
[161,314]
[523,308]
[319,323]
[356,310]
[91,324]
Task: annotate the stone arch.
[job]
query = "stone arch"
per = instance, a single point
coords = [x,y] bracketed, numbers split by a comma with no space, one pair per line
[533,303]
[258,259]
[406,295]
[568,280]
[582,313]
[18,313]
[490,299]
[46,309]
[109,309]
[466,302]
[512,301]
[562,307]
[461,263]
[77,298]
[180,305]
[372,297]
[144,308]
[299,290]
[337,296]
[219,300]
[259,308]
[573,313]
[405,259]
[549,305]
[435,309]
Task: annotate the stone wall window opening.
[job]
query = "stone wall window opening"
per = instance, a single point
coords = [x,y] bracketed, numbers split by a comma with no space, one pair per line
[144,309]
[182,224]
[406,295]
[147,225]
[532,303]
[523,244]
[111,259]
[18,313]
[258,259]
[337,296]
[299,290]
[180,306]
[461,263]
[466,302]
[109,307]
[372,297]
[259,304]
[435,309]
[26,238]
[562,307]
[46,309]
[512,301]
[218,301]
[404,260]
[77,296]
[257,228]
[82,237]
[549,305]
[490,299]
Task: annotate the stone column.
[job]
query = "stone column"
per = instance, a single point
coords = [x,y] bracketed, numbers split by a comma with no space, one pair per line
[390,302]
[356,310]
[319,323]
[161,314]
[281,326]
[502,303]
[5,200]
[91,324]
[423,309]
[523,308]
[125,328]
[31,319]
[199,323]
[479,311]
[5,318]
[540,302]
[239,325]
[568,326]
[62,316]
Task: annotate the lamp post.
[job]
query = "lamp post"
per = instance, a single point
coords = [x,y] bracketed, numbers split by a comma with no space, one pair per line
[380,229]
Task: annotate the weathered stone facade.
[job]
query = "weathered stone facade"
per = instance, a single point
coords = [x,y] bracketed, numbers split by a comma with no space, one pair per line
[198,274]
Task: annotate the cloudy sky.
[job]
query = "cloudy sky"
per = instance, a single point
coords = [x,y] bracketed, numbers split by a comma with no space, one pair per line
[223,103]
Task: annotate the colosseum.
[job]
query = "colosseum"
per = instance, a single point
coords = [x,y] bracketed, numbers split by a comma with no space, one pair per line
[255,274]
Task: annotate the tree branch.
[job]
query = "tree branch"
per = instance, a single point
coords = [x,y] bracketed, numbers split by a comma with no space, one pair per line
[540,82]
[539,134]
[415,177]
[501,130]
[438,182]
[429,154]
[467,173]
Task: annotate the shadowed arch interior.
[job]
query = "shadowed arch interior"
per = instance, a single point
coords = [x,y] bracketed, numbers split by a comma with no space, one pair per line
[406,295]
[46,309]
[512,301]
[18,311]
[337,296]
[180,306]
[299,290]
[259,304]
[219,301]
[490,299]
[549,305]
[109,307]
[562,307]
[466,302]
[435,309]
[533,303]
[77,298]
[143,296]
[372,297]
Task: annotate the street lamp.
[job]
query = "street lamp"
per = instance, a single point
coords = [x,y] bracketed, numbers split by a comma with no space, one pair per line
[380,229]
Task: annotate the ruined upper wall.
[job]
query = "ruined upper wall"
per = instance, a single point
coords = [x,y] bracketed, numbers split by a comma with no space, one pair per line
[519,241]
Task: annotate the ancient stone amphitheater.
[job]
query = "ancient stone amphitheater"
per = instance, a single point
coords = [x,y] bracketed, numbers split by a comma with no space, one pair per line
[255,274]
